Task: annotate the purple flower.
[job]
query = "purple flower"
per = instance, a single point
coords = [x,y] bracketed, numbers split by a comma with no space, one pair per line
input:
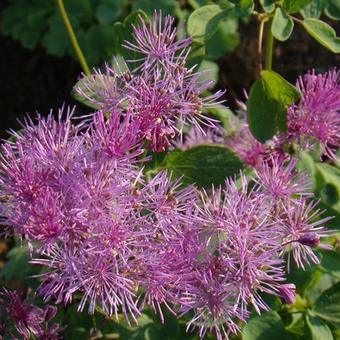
[158,97]
[156,41]
[124,241]
[302,230]
[287,293]
[317,116]
[214,302]
[242,142]
[30,320]
[198,136]
[280,180]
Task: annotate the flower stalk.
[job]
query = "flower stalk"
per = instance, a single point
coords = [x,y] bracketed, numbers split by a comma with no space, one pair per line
[73,37]
[268,58]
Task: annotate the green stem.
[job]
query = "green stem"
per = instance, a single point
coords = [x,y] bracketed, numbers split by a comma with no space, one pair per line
[72,37]
[259,51]
[268,56]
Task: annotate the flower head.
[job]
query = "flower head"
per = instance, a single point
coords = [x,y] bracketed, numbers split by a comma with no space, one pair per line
[156,41]
[317,116]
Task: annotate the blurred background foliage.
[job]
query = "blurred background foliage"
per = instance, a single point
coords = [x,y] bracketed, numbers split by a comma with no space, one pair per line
[41,71]
[34,42]
[38,23]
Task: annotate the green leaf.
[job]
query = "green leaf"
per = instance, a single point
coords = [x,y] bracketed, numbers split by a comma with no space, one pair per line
[196,55]
[123,31]
[327,179]
[330,261]
[296,328]
[210,71]
[155,163]
[225,39]
[81,9]
[203,22]
[292,6]
[302,278]
[282,25]
[313,9]
[318,329]
[322,282]
[323,33]
[332,9]
[109,10]
[78,323]
[267,104]
[17,264]
[243,8]
[327,306]
[330,211]
[134,18]
[204,165]
[267,326]
[306,163]
[229,120]
[92,86]
[148,6]
[268,5]
[98,43]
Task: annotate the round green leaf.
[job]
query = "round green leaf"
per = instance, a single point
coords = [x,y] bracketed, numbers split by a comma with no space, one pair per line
[332,9]
[330,261]
[148,6]
[109,10]
[268,5]
[210,71]
[265,326]
[204,165]
[92,86]
[323,33]
[282,25]
[203,22]
[225,39]
[243,8]
[317,328]
[268,100]
[17,263]
[292,6]
[327,306]
[313,10]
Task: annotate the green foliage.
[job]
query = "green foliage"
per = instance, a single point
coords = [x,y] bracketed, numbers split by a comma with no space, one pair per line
[282,25]
[313,9]
[332,9]
[267,326]
[17,264]
[317,328]
[268,5]
[292,6]
[36,22]
[203,165]
[243,7]
[268,100]
[327,306]
[100,28]
[323,33]
[203,22]
[213,25]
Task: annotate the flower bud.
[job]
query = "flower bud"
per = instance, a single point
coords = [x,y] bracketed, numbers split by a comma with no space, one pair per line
[287,293]
[310,239]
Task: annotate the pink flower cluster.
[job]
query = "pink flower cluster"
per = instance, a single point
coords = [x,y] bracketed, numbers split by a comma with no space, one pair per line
[313,122]
[125,242]
[29,320]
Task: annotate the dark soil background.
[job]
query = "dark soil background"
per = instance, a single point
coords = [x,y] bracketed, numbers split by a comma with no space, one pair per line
[32,81]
